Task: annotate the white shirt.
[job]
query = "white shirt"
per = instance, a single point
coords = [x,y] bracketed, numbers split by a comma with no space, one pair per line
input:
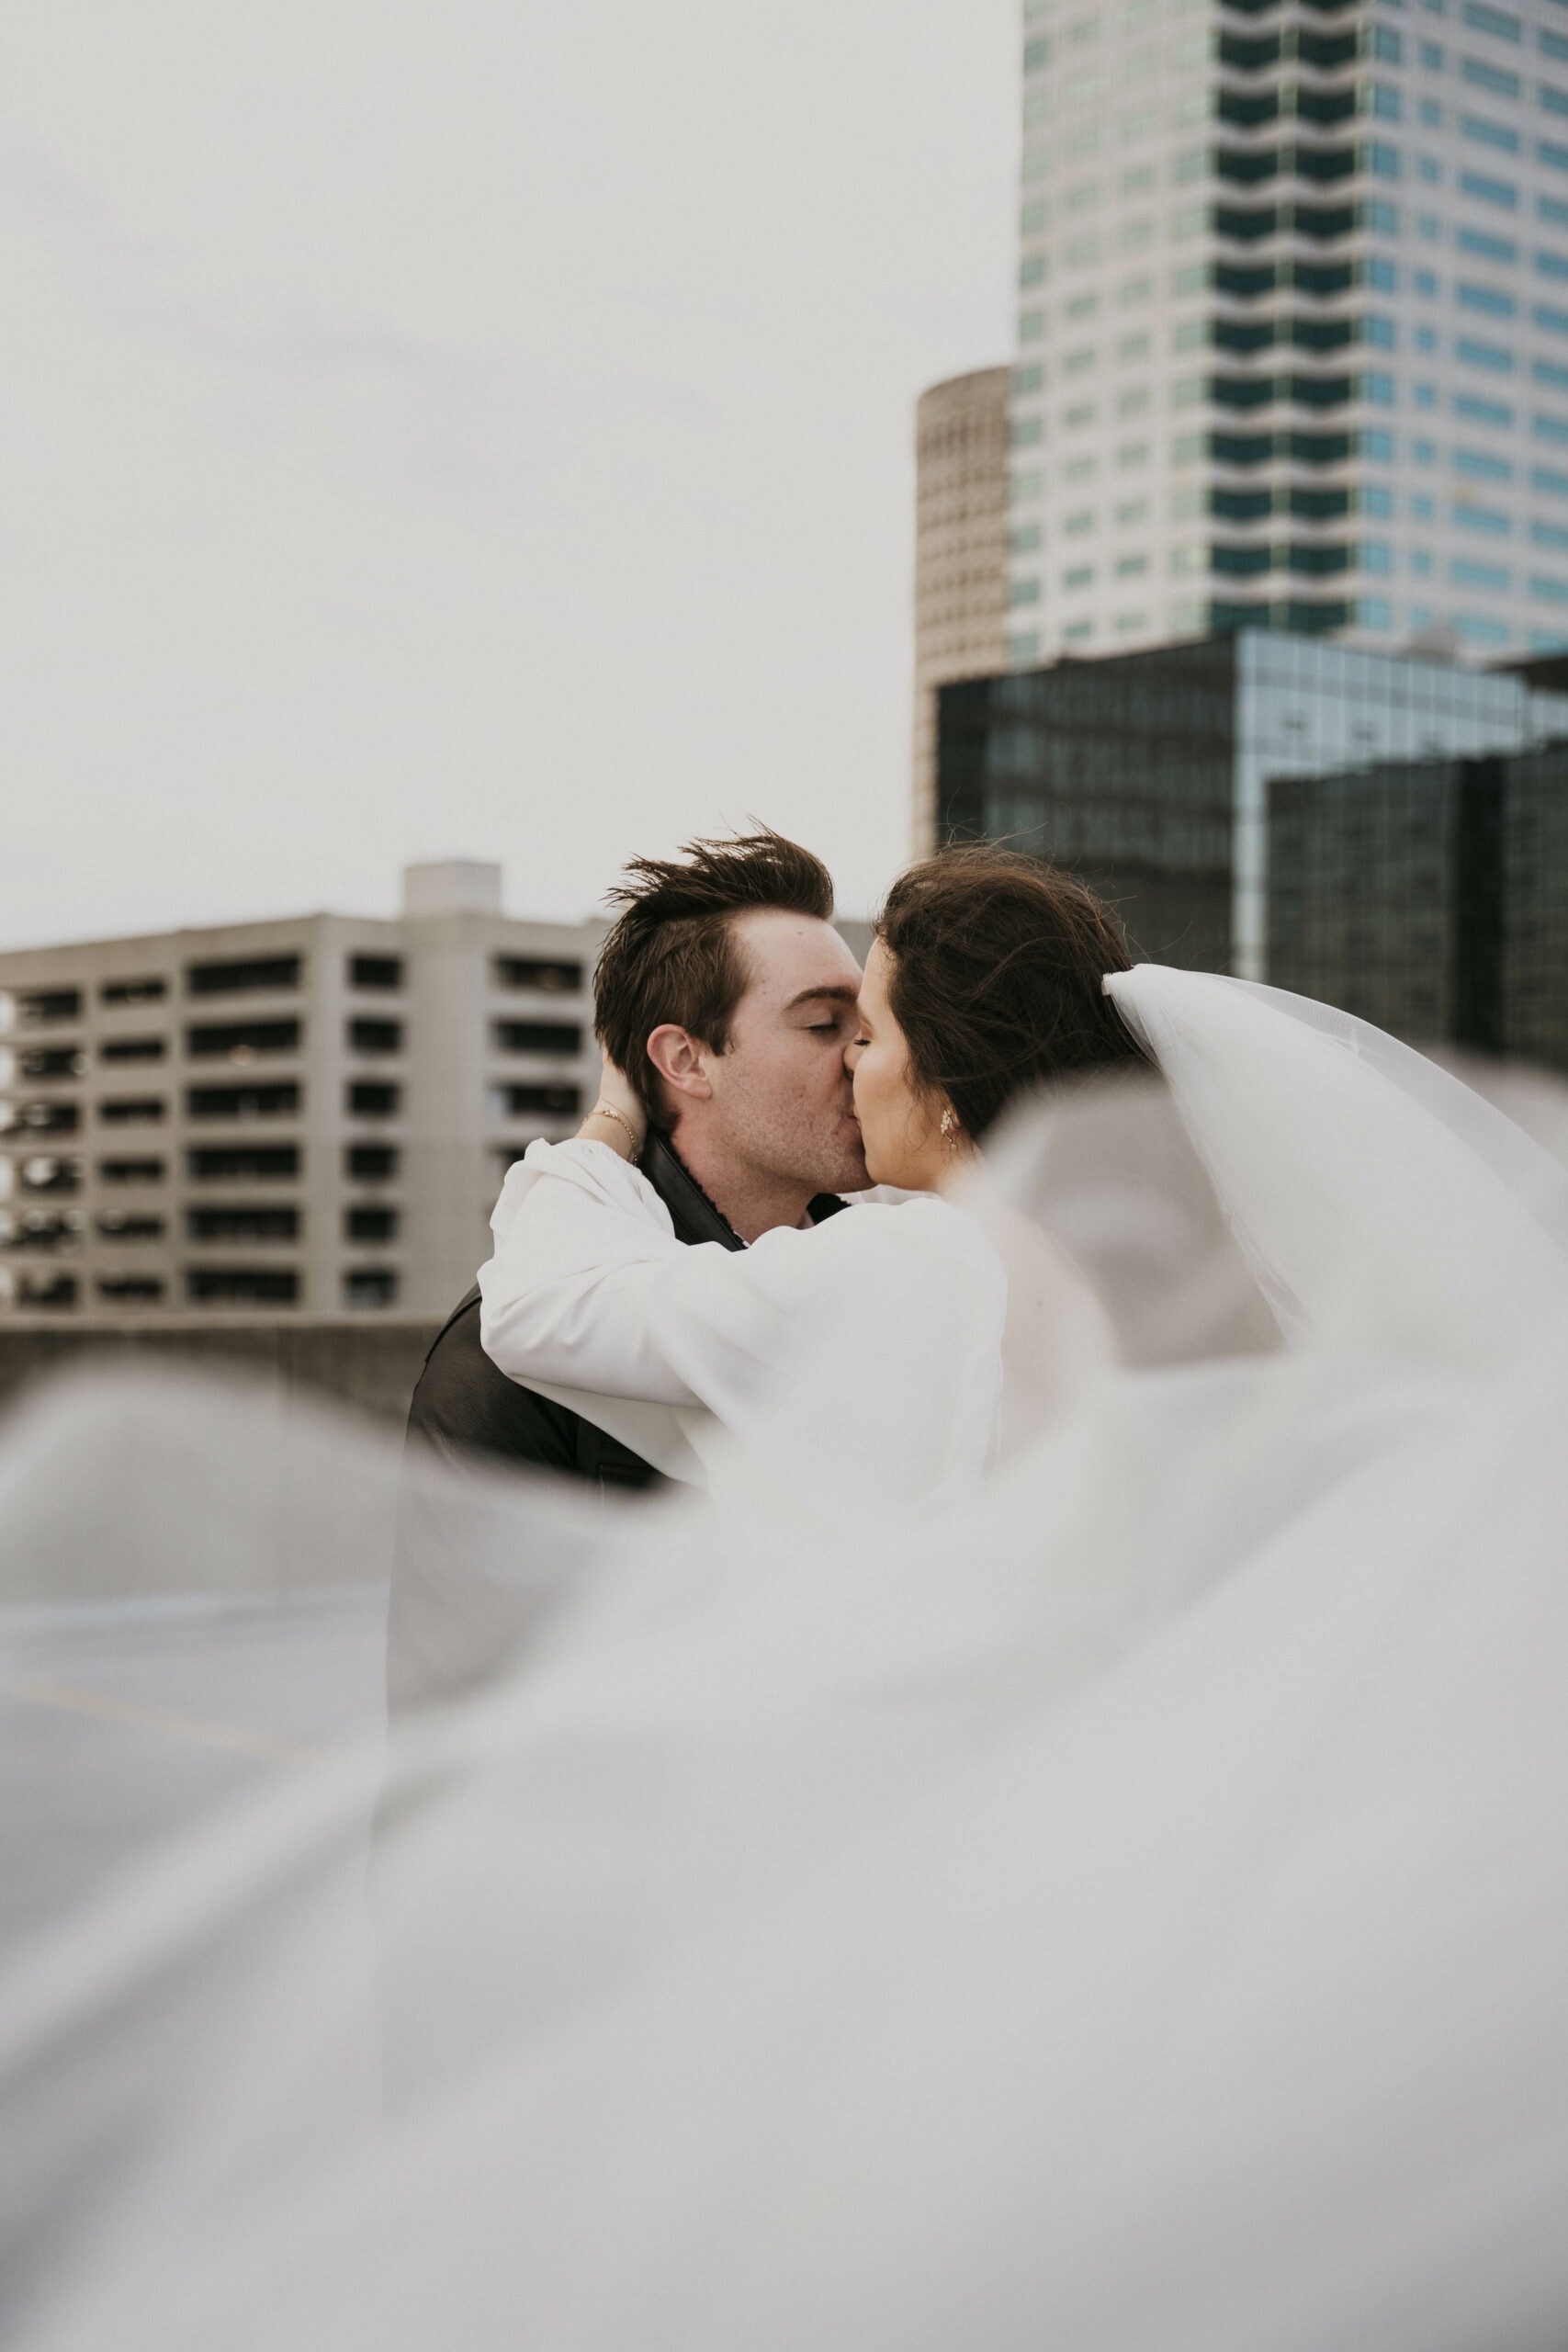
[859,1360]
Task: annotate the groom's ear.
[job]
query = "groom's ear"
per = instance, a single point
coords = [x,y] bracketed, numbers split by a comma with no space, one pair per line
[681,1060]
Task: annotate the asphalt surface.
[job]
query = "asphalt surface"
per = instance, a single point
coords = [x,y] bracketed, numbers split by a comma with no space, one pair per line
[122,1724]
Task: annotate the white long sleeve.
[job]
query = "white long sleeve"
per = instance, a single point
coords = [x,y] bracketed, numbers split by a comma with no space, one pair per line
[899,1309]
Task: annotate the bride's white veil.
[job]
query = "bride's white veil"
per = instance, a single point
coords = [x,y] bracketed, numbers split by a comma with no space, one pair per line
[1123,1908]
[1382,1204]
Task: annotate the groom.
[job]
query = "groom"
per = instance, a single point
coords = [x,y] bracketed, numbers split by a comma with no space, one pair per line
[727,998]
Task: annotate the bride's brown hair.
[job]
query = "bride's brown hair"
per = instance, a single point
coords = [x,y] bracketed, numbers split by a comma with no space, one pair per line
[997,964]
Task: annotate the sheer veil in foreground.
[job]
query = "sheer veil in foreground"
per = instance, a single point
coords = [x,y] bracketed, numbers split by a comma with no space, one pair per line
[1120,1907]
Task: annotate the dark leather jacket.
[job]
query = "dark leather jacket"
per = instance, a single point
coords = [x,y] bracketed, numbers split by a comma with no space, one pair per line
[462,1405]
[456,1616]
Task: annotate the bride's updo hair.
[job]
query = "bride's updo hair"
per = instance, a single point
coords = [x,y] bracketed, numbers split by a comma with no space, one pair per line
[997,964]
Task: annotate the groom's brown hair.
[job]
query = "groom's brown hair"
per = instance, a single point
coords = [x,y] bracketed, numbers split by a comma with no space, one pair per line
[670,955]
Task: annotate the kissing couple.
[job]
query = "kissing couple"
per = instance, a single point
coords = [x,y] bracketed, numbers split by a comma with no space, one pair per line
[654,1276]
[777,1244]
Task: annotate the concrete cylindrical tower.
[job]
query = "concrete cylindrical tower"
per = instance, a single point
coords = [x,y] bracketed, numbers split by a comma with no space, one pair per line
[960,556]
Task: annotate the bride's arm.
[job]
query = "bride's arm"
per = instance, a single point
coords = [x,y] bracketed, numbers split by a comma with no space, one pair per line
[589,1288]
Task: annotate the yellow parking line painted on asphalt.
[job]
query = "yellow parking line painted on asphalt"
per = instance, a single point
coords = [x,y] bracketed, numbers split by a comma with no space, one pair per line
[230,1737]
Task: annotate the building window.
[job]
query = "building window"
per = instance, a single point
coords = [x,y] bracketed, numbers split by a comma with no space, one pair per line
[370,1286]
[371,1099]
[130,1111]
[1490,298]
[369,1223]
[132,1050]
[374,971]
[1465,572]
[1479,411]
[130,1290]
[1489,519]
[242,1041]
[1483,354]
[251,973]
[1481,465]
[36,1007]
[48,1230]
[242,1285]
[543,1102]
[42,1118]
[1023,592]
[374,1037]
[41,1174]
[143,991]
[1489,191]
[126,1225]
[130,1172]
[280,1102]
[1483,76]
[554,1038]
[52,1061]
[245,1163]
[1491,21]
[273,1222]
[50,1291]
[371,1162]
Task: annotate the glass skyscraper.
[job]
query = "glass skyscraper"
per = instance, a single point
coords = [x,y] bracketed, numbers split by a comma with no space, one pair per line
[1431,897]
[1150,773]
[1293,325]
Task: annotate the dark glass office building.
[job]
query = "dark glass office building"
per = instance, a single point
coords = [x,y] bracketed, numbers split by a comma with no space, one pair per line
[1149,773]
[1430,897]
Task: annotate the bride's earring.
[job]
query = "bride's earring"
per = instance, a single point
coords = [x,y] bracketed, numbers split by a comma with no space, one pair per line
[949,1128]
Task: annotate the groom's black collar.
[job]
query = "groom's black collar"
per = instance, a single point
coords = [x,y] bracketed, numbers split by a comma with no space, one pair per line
[694,1215]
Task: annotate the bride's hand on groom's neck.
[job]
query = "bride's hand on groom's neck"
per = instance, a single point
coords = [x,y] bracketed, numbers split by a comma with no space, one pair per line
[618,1118]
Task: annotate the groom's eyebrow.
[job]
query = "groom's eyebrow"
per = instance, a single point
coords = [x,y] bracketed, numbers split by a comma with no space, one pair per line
[837,991]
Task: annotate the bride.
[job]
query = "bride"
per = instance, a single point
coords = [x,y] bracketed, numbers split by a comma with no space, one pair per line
[1060,1845]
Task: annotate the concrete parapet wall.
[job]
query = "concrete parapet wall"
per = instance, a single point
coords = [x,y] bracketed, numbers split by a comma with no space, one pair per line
[371,1366]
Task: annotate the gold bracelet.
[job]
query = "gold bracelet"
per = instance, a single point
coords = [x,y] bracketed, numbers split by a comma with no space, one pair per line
[607,1111]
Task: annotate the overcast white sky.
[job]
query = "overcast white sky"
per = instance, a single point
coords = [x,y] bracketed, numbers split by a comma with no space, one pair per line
[470,428]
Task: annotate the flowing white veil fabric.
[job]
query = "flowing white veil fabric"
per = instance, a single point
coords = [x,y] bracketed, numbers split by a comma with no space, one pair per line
[1125,1908]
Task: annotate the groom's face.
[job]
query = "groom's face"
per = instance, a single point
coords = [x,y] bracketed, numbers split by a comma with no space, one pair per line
[781,1098]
